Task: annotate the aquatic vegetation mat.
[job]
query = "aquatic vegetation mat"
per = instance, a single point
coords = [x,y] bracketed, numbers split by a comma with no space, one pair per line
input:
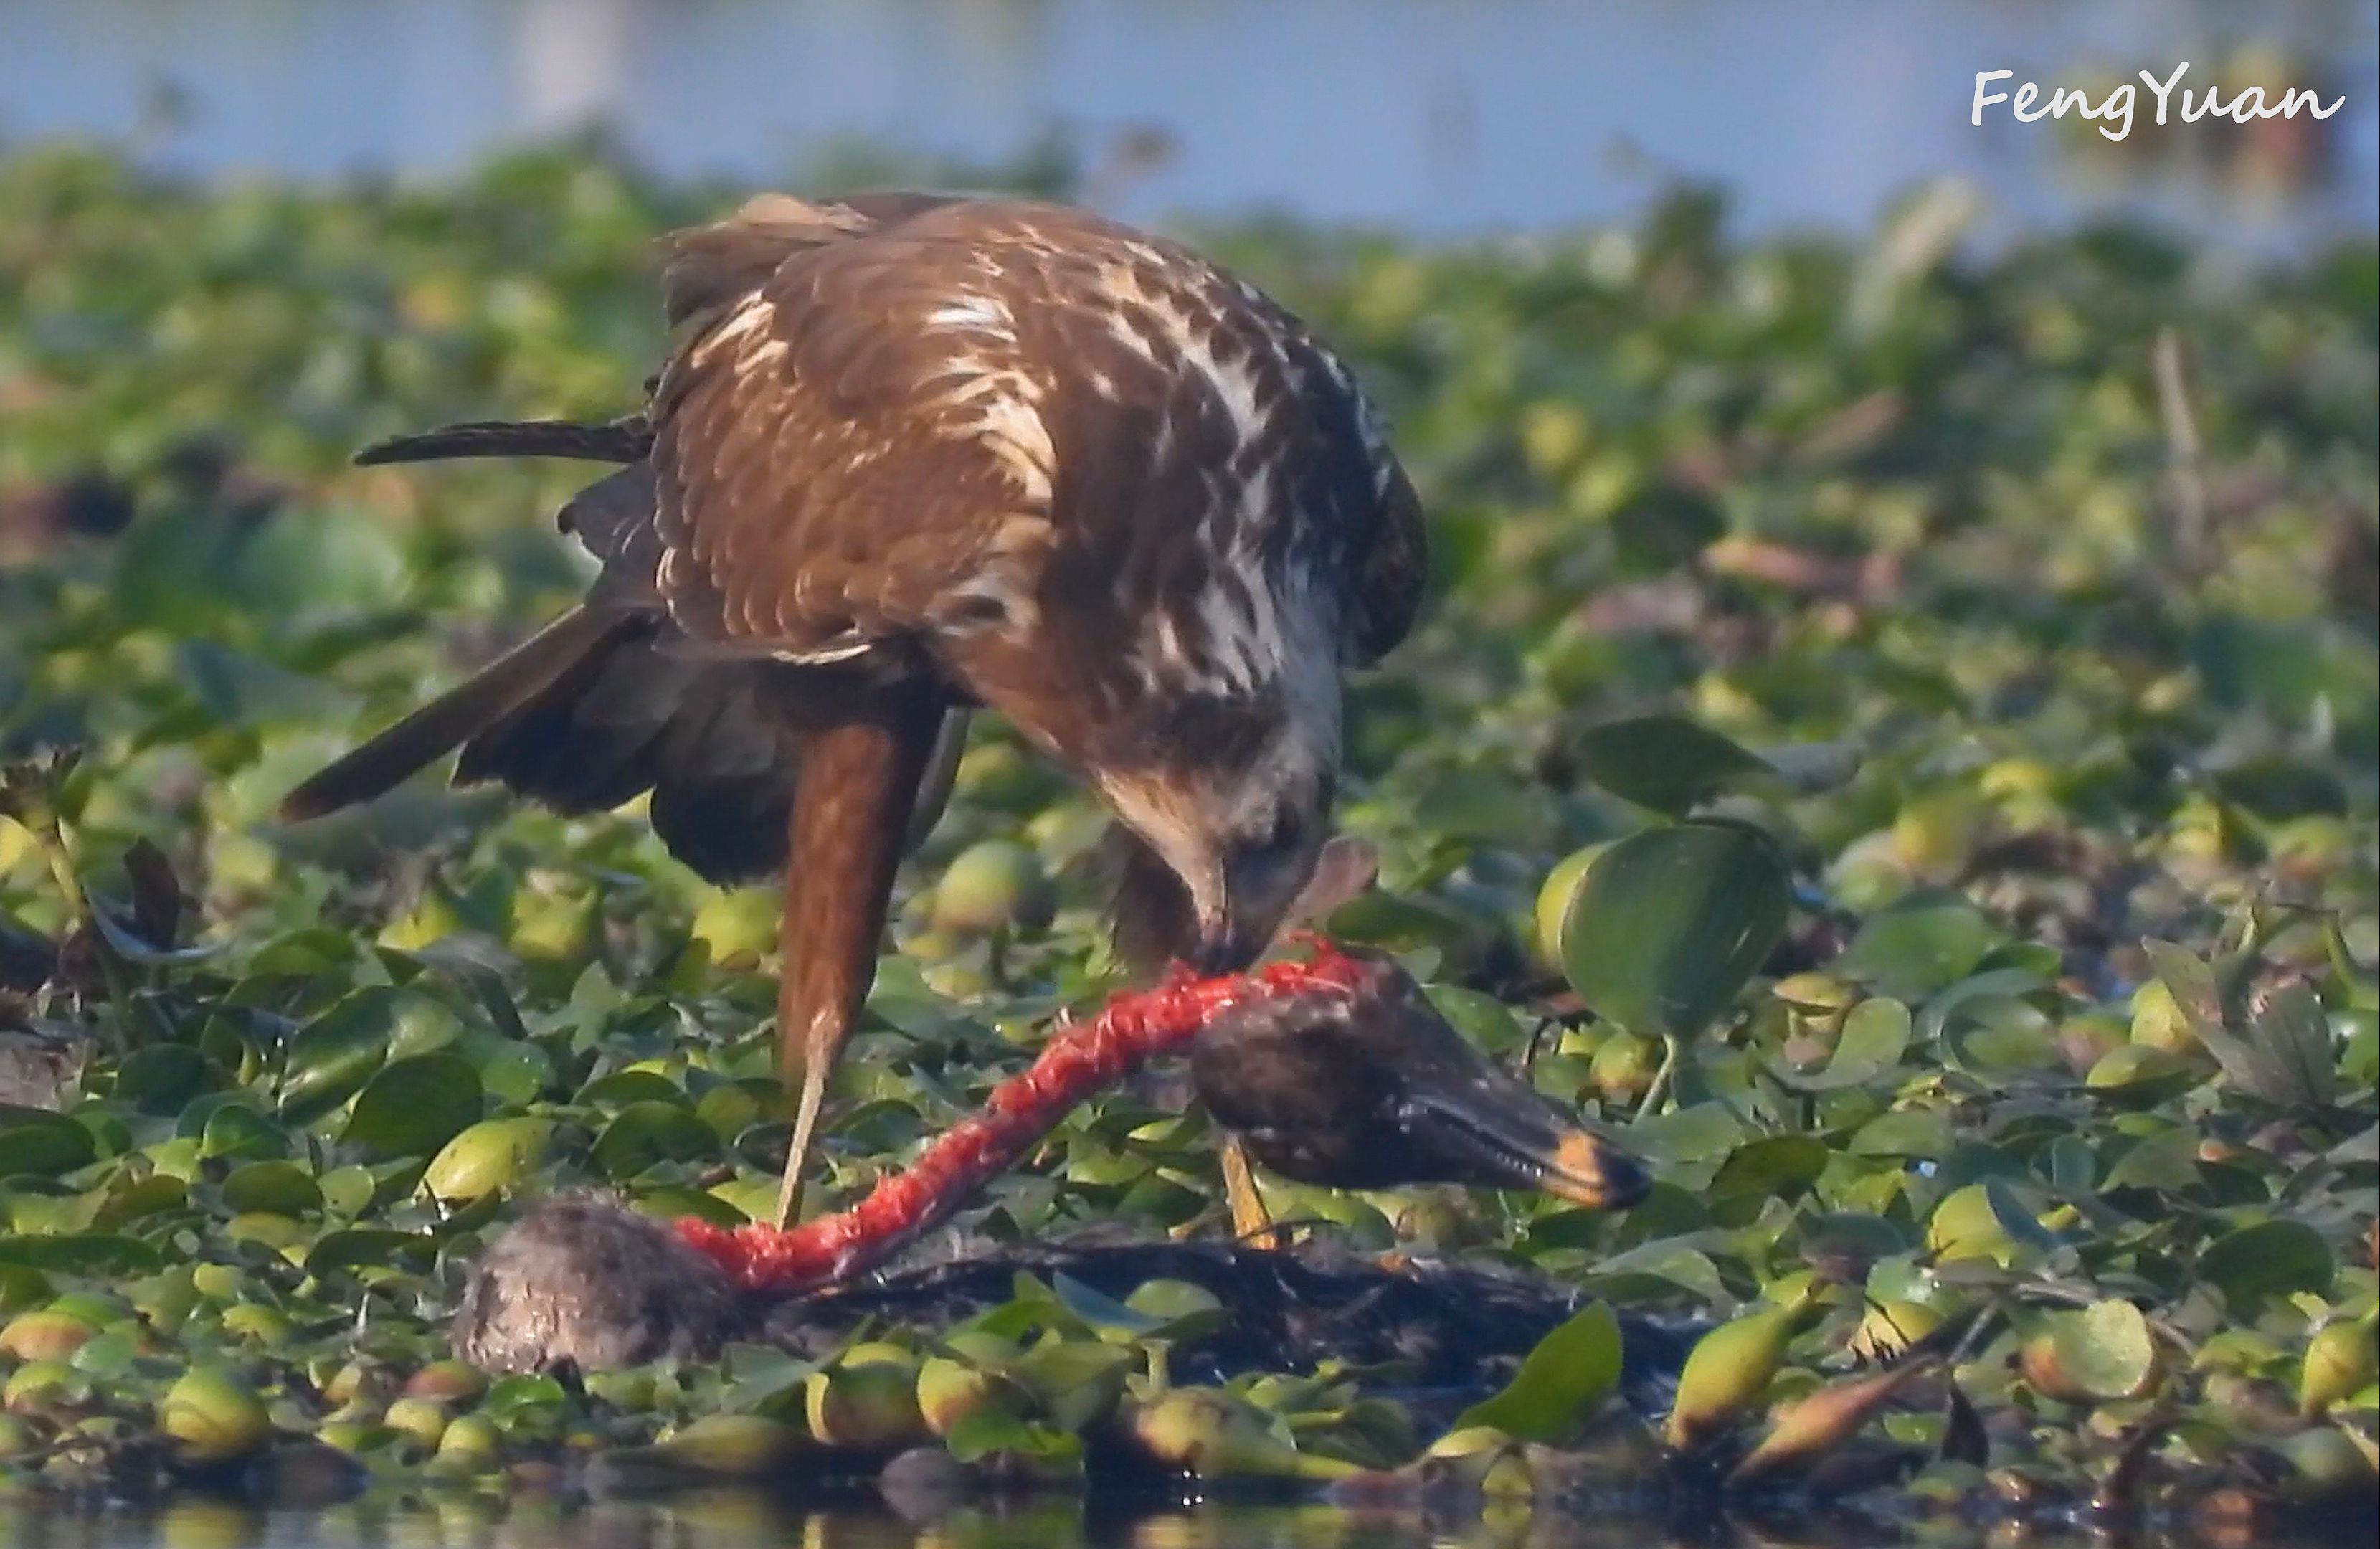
[1894,740]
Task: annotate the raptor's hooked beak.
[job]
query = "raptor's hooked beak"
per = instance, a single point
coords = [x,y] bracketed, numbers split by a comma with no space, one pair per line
[1225,946]
[1493,1132]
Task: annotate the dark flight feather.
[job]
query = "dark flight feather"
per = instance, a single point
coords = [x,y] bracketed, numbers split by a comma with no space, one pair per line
[622,440]
[446,722]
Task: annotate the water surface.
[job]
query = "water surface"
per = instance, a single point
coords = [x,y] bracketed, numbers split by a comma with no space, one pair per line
[1430,115]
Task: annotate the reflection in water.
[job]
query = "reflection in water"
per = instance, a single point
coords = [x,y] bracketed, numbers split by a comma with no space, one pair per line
[1428,115]
[743,1519]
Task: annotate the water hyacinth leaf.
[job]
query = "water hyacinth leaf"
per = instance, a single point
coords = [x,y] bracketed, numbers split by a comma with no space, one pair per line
[279,1188]
[22,1286]
[1559,1381]
[1665,762]
[312,952]
[491,1155]
[2106,1348]
[36,1140]
[163,1077]
[990,1432]
[1667,1265]
[1484,1021]
[2140,1077]
[672,1200]
[1477,806]
[130,1198]
[1943,1012]
[365,1247]
[511,1071]
[762,1378]
[2014,1216]
[624,1087]
[1844,1236]
[1903,1133]
[416,1105]
[349,1190]
[1690,1134]
[1874,1036]
[1921,944]
[1102,1311]
[96,1254]
[644,1133]
[2070,1164]
[1997,1034]
[1177,1304]
[108,1357]
[1778,1165]
[2167,1161]
[336,1054]
[1670,923]
[1400,923]
[236,1131]
[510,1395]
[2271,1259]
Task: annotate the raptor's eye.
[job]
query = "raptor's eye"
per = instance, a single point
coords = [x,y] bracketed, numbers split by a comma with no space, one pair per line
[1287,832]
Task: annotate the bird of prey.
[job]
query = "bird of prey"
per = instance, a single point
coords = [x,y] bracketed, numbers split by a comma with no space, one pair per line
[911,456]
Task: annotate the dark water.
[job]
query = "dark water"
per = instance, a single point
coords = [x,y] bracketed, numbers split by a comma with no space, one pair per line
[1431,116]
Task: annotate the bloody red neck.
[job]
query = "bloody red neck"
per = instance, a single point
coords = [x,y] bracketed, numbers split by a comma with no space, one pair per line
[1080,1059]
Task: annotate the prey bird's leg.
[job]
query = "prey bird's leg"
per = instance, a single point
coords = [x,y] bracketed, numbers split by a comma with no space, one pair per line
[852,802]
[1251,1220]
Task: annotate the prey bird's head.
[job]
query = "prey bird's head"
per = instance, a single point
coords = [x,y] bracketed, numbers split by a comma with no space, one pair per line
[1230,797]
[1369,1088]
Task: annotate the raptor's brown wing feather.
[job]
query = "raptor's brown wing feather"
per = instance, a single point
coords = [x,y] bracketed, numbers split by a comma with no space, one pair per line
[830,455]
[906,416]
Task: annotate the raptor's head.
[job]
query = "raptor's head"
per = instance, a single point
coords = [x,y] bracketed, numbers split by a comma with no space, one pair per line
[1230,801]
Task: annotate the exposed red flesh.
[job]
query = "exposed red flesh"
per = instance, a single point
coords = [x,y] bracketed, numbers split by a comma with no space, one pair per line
[1080,1058]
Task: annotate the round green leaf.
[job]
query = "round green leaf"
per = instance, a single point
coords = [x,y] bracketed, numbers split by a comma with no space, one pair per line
[281,1188]
[644,1133]
[97,1254]
[491,1155]
[624,1087]
[416,1105]
[2270,1259]
[163,1077]
[237,1131]
[334,1055]
[1559,1381]
[1663,762]
[365,1248]
[2106,1348]
[1672,922]
[1923,944]
[36,1140]
[1782,1165]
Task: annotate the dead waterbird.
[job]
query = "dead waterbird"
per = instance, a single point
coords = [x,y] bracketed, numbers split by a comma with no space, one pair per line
[1336,1071]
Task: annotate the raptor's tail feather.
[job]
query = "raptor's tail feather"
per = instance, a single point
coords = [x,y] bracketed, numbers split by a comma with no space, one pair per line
[454,718]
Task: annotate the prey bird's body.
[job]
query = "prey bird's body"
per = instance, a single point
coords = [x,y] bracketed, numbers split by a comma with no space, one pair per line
[911,456]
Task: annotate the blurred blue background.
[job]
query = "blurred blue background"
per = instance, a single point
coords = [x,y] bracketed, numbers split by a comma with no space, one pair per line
[1437,117]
